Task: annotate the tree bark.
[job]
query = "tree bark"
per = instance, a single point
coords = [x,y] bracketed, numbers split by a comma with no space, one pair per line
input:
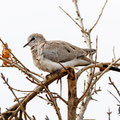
[72,94]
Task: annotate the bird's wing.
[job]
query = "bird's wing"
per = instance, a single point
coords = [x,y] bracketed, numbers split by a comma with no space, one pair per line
[60,51]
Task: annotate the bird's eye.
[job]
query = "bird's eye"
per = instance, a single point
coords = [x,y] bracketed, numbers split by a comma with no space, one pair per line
[32,39]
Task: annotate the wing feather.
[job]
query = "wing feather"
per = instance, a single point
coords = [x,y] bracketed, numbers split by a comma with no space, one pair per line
[60,51]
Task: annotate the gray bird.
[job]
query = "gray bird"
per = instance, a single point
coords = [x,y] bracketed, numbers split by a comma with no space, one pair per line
[51,56]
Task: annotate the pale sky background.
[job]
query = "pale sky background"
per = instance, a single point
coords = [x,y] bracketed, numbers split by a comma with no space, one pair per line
[20,18]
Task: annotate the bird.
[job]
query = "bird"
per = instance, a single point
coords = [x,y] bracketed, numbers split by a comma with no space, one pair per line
[52,56]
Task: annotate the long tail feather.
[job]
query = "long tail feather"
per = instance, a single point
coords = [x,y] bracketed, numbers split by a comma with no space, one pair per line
[112,68]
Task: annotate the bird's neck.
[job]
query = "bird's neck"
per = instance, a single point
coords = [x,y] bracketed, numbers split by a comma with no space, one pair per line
[36,45]
[34,52]
[33,48]
[37,50]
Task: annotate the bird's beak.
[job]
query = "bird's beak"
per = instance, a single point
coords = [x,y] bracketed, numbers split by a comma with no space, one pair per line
[25,45]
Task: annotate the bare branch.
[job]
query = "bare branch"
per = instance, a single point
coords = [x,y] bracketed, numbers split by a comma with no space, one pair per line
[109,113]
[21,106]
[99,16]
[58,96]
[49,102]
[99,65]
[78,14]
[47,118]
[114,56]
[88,89]
[1,115]
[114,96]
[18,61]
[94,82]
[47,81]
[72,94]
[105,71]
[11,53]
[112,83]
[20,68]
[70,17]
[53,100]
[86,34]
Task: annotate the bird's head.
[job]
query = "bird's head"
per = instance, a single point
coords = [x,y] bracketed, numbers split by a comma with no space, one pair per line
[35,39]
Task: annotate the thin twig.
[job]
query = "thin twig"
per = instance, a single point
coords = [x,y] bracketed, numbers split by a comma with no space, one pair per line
[20,68]
[78,14]
[99,65]
[114,96]
[88,92]
[99,16]
[109,113]
[70,17]
[58,96]
[114,56]
[20,61]
[105,71]
[49,102]
[34,117]
[47,118]
[21,90]
[1,115]
[11,53]
[47,81]
[112,83]
[22,108]
[53,100]
[86,34]
[94,82]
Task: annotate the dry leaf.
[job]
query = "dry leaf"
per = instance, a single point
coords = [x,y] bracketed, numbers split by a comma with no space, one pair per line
[6,53]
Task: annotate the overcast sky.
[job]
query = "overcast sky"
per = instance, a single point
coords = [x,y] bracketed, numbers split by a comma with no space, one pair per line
[20,18]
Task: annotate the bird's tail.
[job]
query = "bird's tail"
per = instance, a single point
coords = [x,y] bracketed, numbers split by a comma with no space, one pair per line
[112,68]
